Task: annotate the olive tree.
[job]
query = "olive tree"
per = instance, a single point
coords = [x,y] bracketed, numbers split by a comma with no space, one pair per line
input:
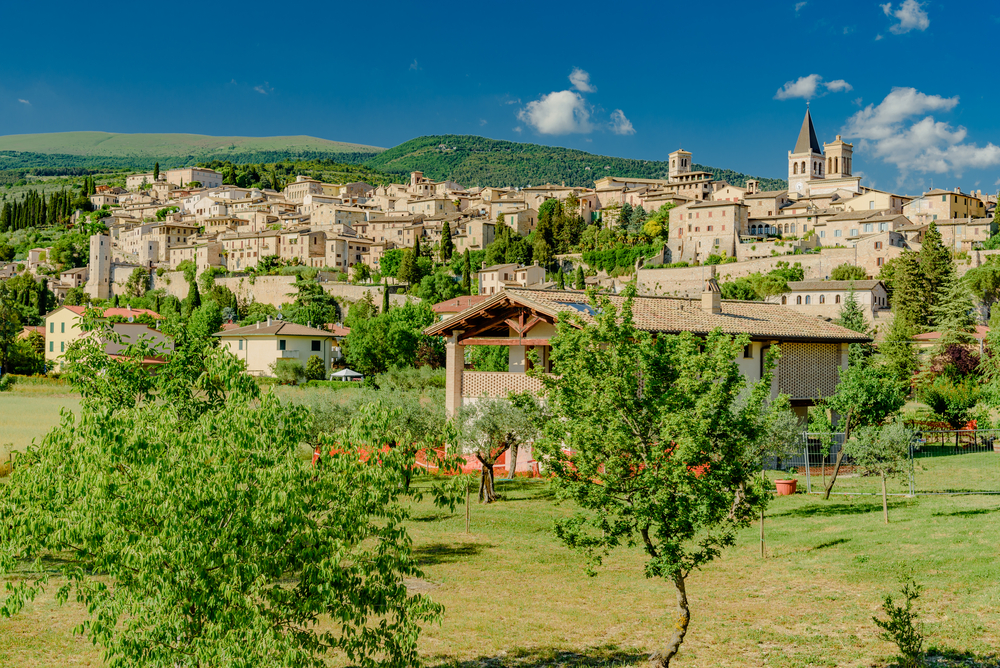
[649,435]
[883,451]
[492,426]
[201,536]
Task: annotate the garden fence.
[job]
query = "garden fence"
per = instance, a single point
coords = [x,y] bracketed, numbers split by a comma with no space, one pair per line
[941,462]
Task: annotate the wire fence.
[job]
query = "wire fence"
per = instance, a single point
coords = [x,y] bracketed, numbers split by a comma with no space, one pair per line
[941,462]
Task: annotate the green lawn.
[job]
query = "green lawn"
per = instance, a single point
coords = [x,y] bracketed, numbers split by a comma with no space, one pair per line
[514,596]
[29,411]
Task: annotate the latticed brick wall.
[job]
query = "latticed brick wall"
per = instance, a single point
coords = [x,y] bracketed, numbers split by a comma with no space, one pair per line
[475,384]
[807,370]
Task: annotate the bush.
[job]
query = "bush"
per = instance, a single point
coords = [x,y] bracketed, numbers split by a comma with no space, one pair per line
[332,384]
[315,368]
[902,628]
[6,382]
[951,401]
[410,378]
[288,371]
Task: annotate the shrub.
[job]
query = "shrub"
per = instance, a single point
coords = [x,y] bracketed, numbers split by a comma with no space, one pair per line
[902,627]
[410,378]
[332,384]
[951,401]
[315,368]
[288,371]
[6,382]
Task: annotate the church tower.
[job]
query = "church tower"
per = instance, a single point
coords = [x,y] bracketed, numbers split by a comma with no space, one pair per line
[680,163]
[806,162]
[839,155]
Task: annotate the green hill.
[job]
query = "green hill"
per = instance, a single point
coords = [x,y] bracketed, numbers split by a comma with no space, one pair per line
[478,161]
[140,151]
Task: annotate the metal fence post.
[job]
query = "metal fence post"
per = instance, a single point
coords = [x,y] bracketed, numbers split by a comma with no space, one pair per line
[808,465]
[912,453]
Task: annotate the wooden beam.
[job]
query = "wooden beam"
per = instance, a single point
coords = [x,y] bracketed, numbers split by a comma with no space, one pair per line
[483,341]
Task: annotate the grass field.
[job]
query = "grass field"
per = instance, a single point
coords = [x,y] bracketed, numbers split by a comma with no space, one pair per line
[514,596]
[112,144]
[30,410]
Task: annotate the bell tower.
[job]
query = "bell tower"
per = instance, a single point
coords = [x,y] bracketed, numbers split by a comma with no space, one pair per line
[680,163]
[839,155]
[806,162]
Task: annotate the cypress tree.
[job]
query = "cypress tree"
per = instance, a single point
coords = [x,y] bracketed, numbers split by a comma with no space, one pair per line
[447,246]
[852,317]
[407,271]
[43,293]
[385,297]
[193,300]
[909,293]
[416,246]
[114,302]
[895,353]
[156,171]
[561,280]
[936,264]
[579,282]
[953,314]
[467,272]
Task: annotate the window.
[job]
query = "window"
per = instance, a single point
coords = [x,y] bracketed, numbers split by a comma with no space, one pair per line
[871,204]
[944,198]
[241,344]
[807,299]
[748,351]
[836,300]
[822,299]
[316,346]
[62,326]
[52,346]
[854,232]
[62,346]
[798,300]
[878,245]
[709,228]
[281,344]
[52,328]
[879,261]
[822,234]
[784,299]
[697,229]
[838,233]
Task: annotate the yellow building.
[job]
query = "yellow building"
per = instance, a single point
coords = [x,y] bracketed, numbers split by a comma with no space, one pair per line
[261,345]
[944,205]
[63,327]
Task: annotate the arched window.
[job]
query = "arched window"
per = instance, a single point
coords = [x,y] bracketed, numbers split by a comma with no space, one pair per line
[803,167]
[836,300]
[822,299]
[798,300]
[795,168]
[784,299]
[807,299]
[835,161]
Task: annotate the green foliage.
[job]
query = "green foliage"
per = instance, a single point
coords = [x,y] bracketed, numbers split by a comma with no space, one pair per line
[651,436]
[313,305]
[852,316]
[882,450]
[390,262]
[868,394]
[489,358]
[206,538]
[33,210]
[161,214]
[447,245]
[953,314]
[902,628]
[288,371]
[272,170]
[315,368]
[936,264]
[137,283]
[579,282]
[620,256]
[361,273]
[189,269]
[204,321]
[984,282]
[896,354]
[392,339]
[438,287]
[951,400]
[909,289]
[758,287]
[848,272]
[409,379]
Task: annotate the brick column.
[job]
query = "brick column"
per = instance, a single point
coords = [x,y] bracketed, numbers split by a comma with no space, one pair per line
[454,367]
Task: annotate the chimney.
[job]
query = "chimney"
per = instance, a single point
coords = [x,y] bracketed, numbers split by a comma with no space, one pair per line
[258,324]
[268,321]
[711,298]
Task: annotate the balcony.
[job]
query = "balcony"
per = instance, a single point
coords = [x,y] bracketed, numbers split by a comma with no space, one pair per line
[476,384]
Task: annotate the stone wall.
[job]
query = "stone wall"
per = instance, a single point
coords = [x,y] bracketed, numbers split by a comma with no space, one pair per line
[690,281]
[277,290]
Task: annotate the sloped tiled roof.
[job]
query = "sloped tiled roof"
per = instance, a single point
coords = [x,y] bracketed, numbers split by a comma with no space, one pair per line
[124,312]
[673,315]
[459,303]
[807,141]
[799,286]
[276,328]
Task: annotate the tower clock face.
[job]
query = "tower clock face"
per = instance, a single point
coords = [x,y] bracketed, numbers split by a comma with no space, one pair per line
[798,186]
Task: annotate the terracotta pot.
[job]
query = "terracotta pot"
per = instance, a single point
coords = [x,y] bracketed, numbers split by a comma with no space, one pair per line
[785,487]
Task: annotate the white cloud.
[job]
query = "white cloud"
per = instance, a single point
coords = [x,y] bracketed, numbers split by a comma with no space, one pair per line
[811,86]
[581,81]
[482,122]
[264,89]
[518,129]
[887,132]
[620,125]
[911,16]
[558,113]
[24,102]
[414,66]
[878,37]
[799,6]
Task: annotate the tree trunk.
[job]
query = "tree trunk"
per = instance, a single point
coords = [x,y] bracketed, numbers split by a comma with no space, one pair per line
[486,491]
[662,659]
[840,458]
[885,500]
[512,458]
[761,533]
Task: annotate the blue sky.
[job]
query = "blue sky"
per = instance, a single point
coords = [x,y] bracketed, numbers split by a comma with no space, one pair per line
[911,82]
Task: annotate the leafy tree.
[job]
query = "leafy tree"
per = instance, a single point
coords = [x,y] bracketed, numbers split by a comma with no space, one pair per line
[313,305]
[6,252]
[951,400]
[542,251]
[390,262]
[636,220]
[438,287]
[385,297]
[76,297]
[561,280]
[390,339]
[883,451]
[896,354]
[984,282]
[205,320]
[650,436]
[740,288]
[185,555]
[363,309]
[417,252]
[315,368]
[288,371]
[447,245]
[192,302]
[492,426]
[10,325]
[408,271]
[625,215]
[848,272]
[136,284]
[189,269]
[866,396]
[489,358]
[579,282]
[910,290]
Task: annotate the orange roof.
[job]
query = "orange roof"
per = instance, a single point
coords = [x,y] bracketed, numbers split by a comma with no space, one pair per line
[337,330]
[459,304]
[124,312]
[981,332]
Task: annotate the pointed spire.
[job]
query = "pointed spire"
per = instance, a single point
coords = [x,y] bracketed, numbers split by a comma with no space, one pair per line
[807,137]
